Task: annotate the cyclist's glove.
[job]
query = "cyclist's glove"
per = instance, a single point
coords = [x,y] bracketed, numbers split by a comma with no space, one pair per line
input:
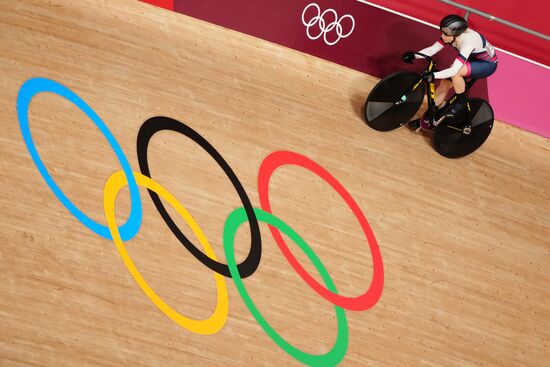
[428,75]
[408,57]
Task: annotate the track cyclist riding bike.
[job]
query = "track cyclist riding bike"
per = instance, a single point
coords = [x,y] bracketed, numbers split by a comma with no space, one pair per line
[476,59]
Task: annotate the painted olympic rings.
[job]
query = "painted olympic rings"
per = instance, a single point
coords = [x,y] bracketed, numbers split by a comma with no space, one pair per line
[126,177]
[371,296]
[206,327]
[146,132]
[338,351]
[324,28]
[37,85]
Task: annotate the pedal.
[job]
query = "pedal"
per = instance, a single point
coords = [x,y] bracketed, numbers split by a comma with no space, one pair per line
[440,120]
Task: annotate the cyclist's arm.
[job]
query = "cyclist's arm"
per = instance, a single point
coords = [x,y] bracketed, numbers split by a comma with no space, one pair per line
[432,50]
[457,64]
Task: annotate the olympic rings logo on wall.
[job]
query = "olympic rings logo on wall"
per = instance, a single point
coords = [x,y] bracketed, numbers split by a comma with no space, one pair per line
[247,213]
[318,22]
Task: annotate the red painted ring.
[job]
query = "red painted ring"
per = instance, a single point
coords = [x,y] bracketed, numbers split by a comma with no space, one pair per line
[359,303]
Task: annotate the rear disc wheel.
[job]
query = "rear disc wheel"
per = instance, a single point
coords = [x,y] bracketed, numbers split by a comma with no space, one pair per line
[451,142]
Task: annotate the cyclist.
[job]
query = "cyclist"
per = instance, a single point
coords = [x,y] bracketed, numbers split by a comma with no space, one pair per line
[476,59]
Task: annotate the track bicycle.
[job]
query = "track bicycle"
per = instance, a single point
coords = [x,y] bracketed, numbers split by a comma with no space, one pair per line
[395,99]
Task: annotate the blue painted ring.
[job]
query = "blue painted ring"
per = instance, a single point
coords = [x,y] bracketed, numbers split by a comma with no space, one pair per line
[38,85]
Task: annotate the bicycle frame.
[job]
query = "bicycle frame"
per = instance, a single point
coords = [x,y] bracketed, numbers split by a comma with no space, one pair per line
[437,114]
[430,86]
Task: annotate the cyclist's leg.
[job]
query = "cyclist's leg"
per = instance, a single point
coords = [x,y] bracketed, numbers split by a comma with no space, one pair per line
[425,121]
[442,90]
[473,69]
[481,69]
[459,85]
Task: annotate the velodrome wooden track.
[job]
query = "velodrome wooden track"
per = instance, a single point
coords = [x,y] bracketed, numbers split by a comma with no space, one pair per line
[465,243]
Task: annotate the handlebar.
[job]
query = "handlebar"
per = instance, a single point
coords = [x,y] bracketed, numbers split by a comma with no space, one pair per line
[428,58]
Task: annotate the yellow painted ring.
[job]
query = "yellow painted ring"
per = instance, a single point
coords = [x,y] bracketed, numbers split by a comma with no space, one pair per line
[218,318]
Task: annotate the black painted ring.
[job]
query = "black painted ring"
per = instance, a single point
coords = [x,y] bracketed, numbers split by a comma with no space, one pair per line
[146,132]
